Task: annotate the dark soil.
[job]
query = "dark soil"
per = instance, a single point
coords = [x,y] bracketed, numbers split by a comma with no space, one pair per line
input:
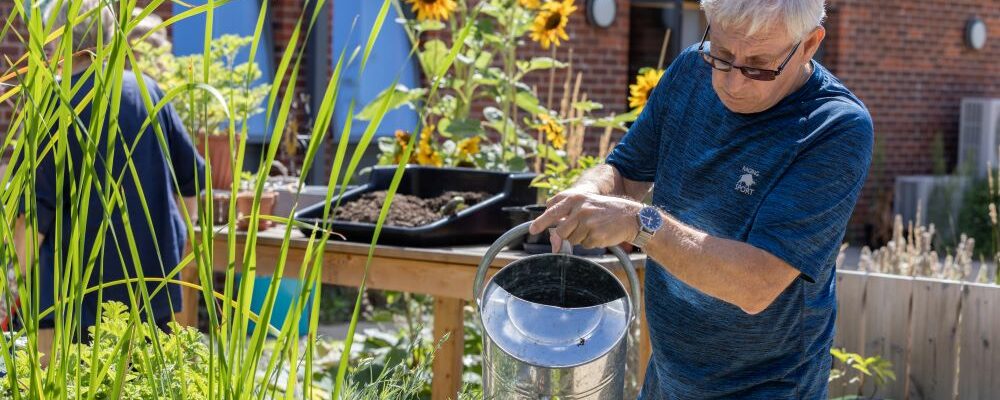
[406,211]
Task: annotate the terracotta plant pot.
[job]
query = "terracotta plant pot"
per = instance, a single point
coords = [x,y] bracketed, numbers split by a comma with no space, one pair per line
[220,208]
[220,155]
[244,202]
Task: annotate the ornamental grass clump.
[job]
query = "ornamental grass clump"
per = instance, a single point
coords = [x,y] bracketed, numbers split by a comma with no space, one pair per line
[124,357]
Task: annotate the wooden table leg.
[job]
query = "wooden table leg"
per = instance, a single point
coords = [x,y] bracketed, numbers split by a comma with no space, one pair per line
[447,368]
[189,297]
[645,346]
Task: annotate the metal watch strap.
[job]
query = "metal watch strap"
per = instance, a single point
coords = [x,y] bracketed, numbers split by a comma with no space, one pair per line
[641,239]
[643,236]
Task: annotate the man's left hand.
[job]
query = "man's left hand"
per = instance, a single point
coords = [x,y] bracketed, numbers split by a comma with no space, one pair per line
[589,219]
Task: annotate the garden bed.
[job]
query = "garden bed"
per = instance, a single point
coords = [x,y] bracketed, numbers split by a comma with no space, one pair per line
[420,214]
[406,210]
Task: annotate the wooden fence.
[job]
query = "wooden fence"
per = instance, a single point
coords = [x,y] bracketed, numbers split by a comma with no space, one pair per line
[941,336]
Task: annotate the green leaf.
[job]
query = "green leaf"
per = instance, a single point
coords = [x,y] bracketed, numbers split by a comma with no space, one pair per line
[517,164]
[539,63]
[527,101]
[401,95]
[587,106]
[464,59]
[429,25]
[617,121]
[484,59]
[463,128]
[434,57]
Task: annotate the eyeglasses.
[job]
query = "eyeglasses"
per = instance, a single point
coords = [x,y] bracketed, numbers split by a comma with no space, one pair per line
[757,74]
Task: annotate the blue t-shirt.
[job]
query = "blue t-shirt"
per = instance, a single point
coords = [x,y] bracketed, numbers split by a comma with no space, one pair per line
[159,241]
[784,180]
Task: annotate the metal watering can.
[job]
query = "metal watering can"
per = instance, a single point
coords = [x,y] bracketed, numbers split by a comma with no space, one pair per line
[555,326]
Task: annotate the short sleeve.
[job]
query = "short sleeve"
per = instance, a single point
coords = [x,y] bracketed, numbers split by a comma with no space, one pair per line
[803,218]
[636,156]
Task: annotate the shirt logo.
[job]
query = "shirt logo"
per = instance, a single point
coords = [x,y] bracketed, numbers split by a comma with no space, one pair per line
[746,182]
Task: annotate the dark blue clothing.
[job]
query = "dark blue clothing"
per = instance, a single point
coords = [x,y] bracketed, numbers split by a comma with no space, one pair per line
[784,180]
[160,239]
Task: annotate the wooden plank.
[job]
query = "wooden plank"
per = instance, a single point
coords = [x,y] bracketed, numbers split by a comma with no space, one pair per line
[465,255]
[979,366]
[933,366]
[190,297]
[887,323]
[447,366]
[446,273]
[850,327]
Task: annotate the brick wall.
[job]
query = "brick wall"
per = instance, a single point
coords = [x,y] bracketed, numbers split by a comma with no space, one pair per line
[601,54]
[907,60]
[10,48]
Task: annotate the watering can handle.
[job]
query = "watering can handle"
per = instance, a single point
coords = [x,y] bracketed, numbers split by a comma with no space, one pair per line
[521,230]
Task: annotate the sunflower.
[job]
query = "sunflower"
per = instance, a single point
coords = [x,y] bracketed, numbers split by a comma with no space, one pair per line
[468,147]
[530,4]
[437,10]
[643,86]
[550,23]
[426,155]
[553,131]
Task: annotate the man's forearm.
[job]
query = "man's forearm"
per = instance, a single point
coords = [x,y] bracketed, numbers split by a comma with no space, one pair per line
[732,271]
[605,180]
[598,180]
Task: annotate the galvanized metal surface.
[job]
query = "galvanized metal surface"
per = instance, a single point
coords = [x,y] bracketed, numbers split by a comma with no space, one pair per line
[555,326]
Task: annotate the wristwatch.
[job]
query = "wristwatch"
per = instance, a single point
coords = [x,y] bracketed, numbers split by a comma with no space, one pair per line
[650,221]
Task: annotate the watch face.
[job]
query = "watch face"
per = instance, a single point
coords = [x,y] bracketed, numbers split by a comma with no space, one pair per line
[650,218]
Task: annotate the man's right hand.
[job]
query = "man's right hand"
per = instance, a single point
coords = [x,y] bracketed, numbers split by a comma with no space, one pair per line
[589,219]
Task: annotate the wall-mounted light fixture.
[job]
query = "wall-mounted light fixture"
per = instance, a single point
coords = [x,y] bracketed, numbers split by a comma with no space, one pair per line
[602,12]
[975,33]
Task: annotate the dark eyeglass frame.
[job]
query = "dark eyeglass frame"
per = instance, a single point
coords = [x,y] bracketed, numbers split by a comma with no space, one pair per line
[757,74]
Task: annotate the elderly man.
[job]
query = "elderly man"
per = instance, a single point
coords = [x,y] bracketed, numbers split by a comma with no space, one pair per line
[756,155]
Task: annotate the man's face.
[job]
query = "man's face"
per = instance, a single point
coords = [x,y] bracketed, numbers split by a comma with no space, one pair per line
[766,49]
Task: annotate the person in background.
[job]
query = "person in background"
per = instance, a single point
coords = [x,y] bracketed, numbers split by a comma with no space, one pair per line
[157,39]
[159,240]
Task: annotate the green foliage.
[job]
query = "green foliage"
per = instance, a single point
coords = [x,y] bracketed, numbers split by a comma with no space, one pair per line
[129,359]
[236,82]
[182,366]
[854,368]
[487,69]
[559,175]
[974,219]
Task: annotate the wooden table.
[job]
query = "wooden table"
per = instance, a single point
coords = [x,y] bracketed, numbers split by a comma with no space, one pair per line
[446,273]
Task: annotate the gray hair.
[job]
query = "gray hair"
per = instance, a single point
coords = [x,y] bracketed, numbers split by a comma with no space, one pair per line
[798,16]
[155,39]
[85,30]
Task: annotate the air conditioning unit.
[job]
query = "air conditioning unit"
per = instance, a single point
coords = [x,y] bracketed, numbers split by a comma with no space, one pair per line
[941,193]
[978,135]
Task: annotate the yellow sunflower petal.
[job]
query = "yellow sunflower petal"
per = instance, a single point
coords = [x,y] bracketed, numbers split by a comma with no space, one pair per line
[438,10]
[549,26]
[530,4]
[639,91]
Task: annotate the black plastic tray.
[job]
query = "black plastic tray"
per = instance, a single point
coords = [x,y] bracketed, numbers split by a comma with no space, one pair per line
[481,223]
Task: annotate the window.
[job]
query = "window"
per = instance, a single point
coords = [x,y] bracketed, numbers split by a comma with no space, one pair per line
[389,59]
[238,17]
